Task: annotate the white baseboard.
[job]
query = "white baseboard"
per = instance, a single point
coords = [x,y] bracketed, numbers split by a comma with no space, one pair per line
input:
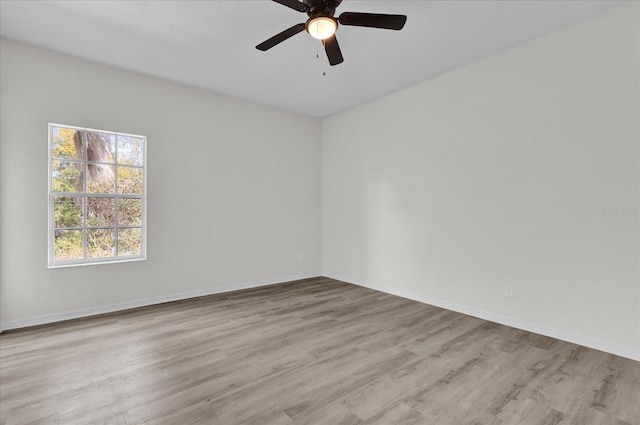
[597,344]
[85,312]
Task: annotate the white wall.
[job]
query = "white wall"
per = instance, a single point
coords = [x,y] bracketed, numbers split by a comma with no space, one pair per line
[498,173]
[234,188]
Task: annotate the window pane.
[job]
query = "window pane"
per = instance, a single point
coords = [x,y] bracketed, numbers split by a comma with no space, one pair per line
[68,245]
[100,178]
[100,243]
[66,176]
[129,150]
[100,212]
[129,212]
[90,171]
[100,147]
[67,212]
[66,143]
[130,241]
[130,180]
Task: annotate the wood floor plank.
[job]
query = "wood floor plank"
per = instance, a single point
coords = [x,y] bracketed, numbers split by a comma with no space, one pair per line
[316,351]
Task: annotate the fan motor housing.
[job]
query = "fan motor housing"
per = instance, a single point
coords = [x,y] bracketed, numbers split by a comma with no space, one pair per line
[321,7]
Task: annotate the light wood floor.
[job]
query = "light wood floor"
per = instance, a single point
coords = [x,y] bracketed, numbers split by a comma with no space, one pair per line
[310,352]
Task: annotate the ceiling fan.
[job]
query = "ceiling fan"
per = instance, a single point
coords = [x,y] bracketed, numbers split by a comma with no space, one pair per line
[323,25]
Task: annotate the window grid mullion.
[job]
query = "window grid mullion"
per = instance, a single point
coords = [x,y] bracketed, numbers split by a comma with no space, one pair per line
[115,189]
[98,227]
[102,163]
[85,199]
[96,195]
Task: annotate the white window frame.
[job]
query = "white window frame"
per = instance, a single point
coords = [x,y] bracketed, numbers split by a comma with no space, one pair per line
[52,263]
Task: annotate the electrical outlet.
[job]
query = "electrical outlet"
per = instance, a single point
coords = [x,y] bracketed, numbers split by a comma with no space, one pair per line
[508,290]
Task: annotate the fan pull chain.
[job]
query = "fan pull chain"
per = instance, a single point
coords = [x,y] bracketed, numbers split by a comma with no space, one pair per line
[324,74]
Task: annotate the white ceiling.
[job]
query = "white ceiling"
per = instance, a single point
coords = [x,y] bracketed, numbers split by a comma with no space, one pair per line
[211,44]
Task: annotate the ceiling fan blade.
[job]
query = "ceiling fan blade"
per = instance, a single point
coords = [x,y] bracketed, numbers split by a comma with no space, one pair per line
[333,50]
[279,38]
[293,4]
[373,20]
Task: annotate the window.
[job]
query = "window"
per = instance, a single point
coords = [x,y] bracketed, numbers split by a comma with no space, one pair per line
[97,196]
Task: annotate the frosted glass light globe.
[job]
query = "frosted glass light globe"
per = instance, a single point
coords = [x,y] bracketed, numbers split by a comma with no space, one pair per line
[322,27]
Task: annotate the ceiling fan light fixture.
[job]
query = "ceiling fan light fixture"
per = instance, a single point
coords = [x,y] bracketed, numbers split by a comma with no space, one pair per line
[322,24]
[322,27]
